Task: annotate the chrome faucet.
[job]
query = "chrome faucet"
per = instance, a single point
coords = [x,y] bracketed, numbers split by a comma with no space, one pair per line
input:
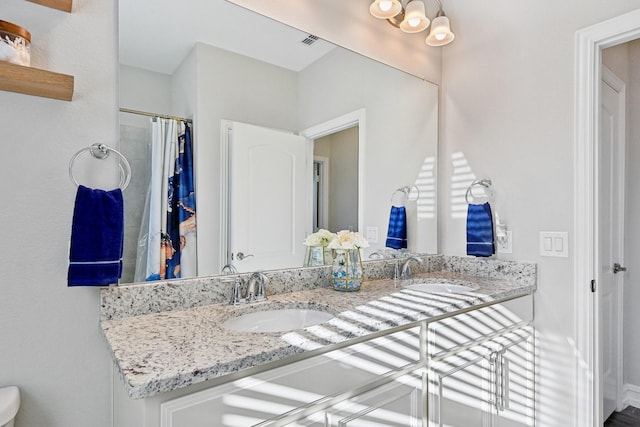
[229,269]
[255,290]
[405,270]
[256,287]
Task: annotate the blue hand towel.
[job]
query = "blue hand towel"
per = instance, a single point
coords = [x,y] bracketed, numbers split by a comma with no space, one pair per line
[480,230]
[397,232]
[97,235]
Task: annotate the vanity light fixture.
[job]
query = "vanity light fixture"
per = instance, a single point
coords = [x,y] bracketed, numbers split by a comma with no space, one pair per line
[412,18]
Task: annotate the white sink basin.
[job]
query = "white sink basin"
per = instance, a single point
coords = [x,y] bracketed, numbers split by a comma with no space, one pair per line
[447,288]
[277,320]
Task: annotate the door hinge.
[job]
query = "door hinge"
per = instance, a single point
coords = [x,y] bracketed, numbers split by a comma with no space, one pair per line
[593,285]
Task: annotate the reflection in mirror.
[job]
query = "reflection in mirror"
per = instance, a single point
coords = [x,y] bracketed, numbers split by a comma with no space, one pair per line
[216,71]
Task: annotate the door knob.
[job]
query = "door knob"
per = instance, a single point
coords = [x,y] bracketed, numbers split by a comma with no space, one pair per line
[617,268]
[242,256]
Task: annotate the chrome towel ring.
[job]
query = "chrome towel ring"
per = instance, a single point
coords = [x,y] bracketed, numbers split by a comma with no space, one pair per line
[406,190]
[101,151]
[485,185]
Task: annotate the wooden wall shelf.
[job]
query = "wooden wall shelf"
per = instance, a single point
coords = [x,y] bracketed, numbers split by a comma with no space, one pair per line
[64,5]
[33,81]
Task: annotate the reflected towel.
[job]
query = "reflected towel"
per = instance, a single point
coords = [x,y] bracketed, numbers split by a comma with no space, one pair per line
[480,230]
[97,235]
[397,232]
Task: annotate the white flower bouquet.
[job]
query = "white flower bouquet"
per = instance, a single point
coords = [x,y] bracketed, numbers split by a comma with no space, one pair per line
[321,237]
[346,239]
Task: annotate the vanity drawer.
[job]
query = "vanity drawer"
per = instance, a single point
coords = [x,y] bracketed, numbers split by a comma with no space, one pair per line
[263,396]
[478,325]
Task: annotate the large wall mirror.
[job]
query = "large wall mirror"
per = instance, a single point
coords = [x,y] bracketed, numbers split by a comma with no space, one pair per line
[367,131]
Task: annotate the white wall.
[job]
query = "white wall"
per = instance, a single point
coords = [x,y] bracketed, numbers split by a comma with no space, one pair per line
[508,84]
[51,346]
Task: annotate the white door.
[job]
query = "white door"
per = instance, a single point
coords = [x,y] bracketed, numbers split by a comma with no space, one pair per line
[269,198]
[610,239]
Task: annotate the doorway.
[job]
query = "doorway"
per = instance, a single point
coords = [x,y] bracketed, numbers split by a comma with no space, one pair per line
[611,207]
[588,261]
[336,158]
[350,122]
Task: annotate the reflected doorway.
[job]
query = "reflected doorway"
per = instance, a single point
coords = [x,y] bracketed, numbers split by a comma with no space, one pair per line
[341,188]
[335,181]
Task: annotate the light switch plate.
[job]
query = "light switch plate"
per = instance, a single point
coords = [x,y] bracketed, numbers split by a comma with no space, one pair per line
[554,243]
[505,246]
[372,234]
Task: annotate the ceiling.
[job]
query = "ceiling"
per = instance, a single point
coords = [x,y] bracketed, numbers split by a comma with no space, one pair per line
[156,35]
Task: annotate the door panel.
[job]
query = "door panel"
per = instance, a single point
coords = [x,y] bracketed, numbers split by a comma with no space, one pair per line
[269,212]
[610,239]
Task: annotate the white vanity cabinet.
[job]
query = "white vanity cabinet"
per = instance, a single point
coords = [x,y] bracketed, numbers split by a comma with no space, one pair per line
[395,403]
[262,398]
[474,369]
[481,368]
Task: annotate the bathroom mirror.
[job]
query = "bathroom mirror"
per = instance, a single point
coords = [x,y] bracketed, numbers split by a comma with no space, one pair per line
[235,65]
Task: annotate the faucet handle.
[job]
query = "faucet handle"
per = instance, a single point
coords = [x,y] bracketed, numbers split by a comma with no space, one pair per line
[261,294]
[236,296]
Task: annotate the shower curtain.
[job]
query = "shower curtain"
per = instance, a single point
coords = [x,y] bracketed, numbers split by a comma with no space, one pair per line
[167,240]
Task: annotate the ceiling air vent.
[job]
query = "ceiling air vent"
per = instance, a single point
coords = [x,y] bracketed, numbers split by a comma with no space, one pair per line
[310,39]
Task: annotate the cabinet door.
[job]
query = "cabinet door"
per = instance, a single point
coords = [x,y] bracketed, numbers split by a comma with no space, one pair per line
[261,399]
[396,404]
[460,391]
[489,385]
[514,380]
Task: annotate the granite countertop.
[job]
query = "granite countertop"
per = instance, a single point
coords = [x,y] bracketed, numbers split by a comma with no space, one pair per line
[165,351]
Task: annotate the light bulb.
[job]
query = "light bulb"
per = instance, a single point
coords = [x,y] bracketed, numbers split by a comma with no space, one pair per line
[440,34]
[385,6]
[385,9]
[415,19]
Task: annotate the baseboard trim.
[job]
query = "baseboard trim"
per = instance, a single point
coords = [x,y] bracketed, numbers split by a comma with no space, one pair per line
[631,395]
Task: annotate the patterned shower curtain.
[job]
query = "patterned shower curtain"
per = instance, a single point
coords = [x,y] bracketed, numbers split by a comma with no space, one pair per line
[167,241]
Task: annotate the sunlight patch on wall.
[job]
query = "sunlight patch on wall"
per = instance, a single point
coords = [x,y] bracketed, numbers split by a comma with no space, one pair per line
[461,179]
[426,184]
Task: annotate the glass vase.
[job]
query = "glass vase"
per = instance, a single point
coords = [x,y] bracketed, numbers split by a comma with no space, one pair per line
[317,255]
[347,273]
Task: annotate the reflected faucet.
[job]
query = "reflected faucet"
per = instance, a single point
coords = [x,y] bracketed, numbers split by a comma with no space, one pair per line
[229,269]
[256,287]
[405,270]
